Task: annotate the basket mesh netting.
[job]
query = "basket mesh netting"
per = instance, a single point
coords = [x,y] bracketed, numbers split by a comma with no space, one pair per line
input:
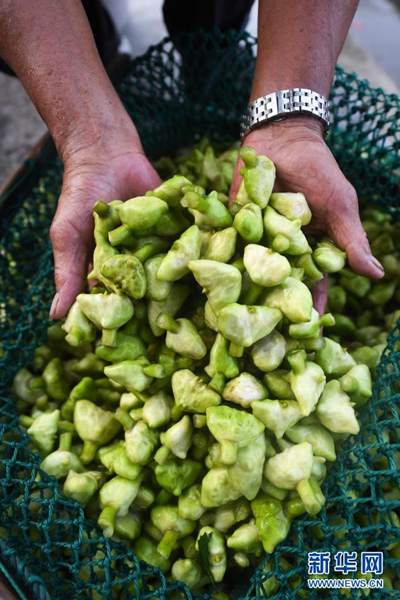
[45,539]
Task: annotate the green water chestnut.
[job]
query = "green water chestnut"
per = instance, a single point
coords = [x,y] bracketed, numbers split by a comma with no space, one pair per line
[182,337]
[176,440]
[172,526]
[207,211]
[246,474]
[171,191]
[359,286]
[357,384]
[307,380]
[170,305]
[156,289]
[82,486]
[107,311]
[186,570]
[249,223]
[328,257]
[189,503]
[315,434]
[89,366]
[292,206]
[277,415]
[156,411]
[175,264]
[130,374]
[44,430]
[220,282]
[216,489]
[56,381]
[62,460]
[171,223]
[191,393]
[27,386]
[258,176]
[292,298]
[85,389]
[177,475]
[335,410]
[127,274]
[221,245]
[94,426]
[140,443]
[78,327]
[269,352]
[116,496]
[216,551]
[244,389]
[292,469]
[245,325]
[284,235]
[278,384]
[311,328]
[221,362]
[246,539]
[233,429]
[146,550]
[129,526]
[105,219]
[337,298]
[137,214]
[265,267]
[226,516]
[116,460]
[271,521]
[128,347]
[333,359]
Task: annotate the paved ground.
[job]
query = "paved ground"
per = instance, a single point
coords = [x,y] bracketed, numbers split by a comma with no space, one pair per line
[21,126]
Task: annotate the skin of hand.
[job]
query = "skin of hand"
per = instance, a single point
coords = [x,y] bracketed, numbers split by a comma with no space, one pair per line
[51,48]
[299,42]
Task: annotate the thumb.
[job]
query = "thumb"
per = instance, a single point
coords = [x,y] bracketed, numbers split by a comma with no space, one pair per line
[346,230]
[71,238]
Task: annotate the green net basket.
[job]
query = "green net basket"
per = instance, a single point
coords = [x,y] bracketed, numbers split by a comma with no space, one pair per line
[176,93]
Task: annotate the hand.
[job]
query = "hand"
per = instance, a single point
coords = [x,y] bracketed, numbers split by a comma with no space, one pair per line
[305,164]
[120,171]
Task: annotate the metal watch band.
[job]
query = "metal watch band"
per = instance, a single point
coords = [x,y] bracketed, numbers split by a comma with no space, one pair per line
[282,104]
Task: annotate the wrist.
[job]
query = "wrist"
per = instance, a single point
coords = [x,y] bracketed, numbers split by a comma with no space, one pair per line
[294,125]
[104,133]
[275,134]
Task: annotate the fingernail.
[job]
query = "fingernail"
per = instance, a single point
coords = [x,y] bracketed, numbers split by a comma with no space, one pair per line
[54,305]
[376,263]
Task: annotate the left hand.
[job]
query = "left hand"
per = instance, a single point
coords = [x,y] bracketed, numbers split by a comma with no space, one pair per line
[305,164]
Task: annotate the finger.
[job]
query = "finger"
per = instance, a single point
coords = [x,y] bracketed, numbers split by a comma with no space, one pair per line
[70,239]
[320,295]
[236,180]
[347,232]
[91,282]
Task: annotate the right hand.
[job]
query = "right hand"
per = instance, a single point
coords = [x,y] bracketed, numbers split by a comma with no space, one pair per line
[118,170]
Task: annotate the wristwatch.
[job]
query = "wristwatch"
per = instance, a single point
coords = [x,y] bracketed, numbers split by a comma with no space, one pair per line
[283,104]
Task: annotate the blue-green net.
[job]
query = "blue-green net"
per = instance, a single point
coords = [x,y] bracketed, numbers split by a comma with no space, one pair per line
[45,540]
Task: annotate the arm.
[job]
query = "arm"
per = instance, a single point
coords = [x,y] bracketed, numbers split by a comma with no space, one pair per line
[50,46]
[299,42]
